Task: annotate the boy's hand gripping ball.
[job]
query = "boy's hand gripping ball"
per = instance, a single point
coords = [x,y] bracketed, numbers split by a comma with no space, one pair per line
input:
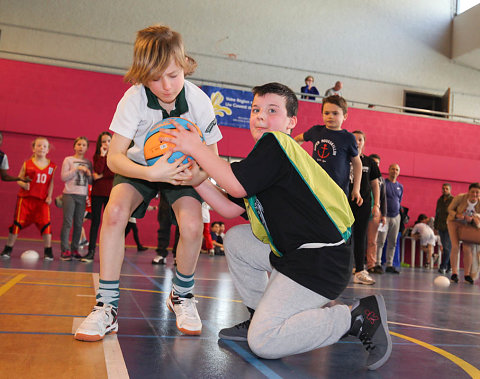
[154,146]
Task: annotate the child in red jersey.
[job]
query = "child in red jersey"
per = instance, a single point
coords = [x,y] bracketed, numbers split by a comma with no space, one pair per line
[34,198]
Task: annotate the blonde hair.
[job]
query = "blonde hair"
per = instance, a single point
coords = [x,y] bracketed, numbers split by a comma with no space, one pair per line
[39,137]
[152,52]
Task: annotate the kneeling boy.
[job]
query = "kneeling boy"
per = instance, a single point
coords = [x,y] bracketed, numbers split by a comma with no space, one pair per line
[299,230]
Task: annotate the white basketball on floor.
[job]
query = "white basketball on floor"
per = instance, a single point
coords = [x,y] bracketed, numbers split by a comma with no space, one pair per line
[29,255]
[442,281]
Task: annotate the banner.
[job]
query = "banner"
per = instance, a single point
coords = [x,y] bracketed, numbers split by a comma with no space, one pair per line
[232,107]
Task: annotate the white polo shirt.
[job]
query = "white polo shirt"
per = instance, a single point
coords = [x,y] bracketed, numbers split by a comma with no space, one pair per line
[139,110]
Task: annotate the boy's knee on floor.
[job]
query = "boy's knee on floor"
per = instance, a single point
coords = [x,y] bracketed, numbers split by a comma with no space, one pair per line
[262,344]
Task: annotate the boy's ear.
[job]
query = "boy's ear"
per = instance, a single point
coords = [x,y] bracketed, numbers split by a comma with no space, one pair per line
[292,123]
[345,116]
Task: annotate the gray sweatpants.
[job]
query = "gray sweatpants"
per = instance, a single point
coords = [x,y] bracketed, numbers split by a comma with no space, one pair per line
[391,235]
[73,213]
[289,318]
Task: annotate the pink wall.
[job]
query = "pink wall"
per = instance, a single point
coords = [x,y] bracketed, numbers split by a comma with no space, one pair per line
[63,103]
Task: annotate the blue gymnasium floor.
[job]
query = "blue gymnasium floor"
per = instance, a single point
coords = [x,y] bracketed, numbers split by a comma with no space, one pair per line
[435,333]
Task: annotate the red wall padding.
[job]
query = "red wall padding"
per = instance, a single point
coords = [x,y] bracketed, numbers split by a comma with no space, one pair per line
[63,103]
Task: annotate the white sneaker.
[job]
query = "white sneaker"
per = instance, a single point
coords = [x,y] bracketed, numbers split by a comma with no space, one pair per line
[363,277]
[159,260]
[102,320]
[188,320]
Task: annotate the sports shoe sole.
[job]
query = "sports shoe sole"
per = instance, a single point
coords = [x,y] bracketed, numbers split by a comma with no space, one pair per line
[364,283]
[183,330]
[383,315]
[95,337]
[231,338]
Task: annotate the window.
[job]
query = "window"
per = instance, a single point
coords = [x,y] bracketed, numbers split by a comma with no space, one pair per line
[465,5]
[428,102]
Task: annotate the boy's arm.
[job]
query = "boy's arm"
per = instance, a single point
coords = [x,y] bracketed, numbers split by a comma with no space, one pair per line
[357,178]
[218,200]
[376,197]
[187,141]
[161,171]
[299,139]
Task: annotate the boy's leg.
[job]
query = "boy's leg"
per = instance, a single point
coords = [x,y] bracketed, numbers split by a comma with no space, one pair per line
[248,262]
[188,212]
[181,300]
[124,199]
[290,320]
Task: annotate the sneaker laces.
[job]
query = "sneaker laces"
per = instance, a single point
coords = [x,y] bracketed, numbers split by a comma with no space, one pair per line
[243,325]
[366,341]
[100,312]
[186,305]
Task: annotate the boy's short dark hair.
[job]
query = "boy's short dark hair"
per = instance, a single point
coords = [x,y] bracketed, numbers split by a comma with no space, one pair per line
[338,101]
[375,156]
[474,185]
[447,184]
[291,101]
[215,223]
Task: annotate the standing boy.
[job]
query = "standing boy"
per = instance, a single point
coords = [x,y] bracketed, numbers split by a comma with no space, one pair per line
[159,91]
[334,148]
[300,224]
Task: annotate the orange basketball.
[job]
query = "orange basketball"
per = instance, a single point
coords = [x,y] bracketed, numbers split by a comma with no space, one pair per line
[155,146]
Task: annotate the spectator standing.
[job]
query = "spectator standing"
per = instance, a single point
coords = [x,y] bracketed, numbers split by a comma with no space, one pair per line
[394,191]
[374,267]
[463,224]
[309,88]
[440,225]
[335,90]
[101,187]
[370,193]
[77,174]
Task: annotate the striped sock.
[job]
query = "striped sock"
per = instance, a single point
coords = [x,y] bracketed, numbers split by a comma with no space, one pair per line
[182,284]
[109,292]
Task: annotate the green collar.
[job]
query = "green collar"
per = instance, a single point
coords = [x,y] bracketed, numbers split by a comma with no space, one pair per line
[181,105]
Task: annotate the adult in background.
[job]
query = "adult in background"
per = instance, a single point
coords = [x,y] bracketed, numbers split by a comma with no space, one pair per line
[335,90]
[374,267]
[309,88]
[394,191]
[440,225]
[463,224]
